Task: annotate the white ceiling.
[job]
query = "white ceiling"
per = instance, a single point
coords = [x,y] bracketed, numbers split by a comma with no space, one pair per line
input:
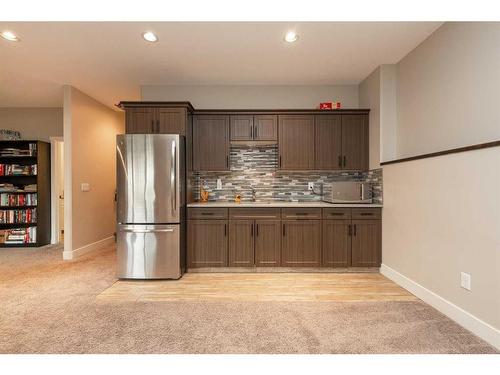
[110,60]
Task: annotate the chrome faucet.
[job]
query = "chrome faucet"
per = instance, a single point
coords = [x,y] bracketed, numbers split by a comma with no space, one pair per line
[254,195]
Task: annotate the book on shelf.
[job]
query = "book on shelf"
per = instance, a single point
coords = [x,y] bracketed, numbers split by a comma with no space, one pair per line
[18,199]
[10,188]
[19,152]
[18,170]
[18,236]
[22,216]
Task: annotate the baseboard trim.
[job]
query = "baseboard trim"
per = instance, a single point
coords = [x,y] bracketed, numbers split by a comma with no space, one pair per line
[480,328]
[98,245]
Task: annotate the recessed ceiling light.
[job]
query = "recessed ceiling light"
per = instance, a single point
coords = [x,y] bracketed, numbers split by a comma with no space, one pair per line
[10,36]
[150,36]
[291,37]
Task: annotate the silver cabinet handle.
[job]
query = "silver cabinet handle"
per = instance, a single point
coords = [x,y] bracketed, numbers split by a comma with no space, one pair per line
[147,230]
[173,179]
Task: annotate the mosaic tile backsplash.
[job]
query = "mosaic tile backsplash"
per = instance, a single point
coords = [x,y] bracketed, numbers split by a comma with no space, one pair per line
[256,167]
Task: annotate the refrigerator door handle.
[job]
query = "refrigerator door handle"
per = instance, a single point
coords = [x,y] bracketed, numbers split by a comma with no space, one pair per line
[146,230]
[173,178]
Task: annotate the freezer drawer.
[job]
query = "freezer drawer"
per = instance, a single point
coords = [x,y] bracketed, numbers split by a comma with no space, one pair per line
[149,252]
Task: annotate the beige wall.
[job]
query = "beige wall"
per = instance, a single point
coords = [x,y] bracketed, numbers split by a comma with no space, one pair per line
[449,89]
[441,216]
[369,97]
[33,123]
[90,133]
[388,112]
[260,97]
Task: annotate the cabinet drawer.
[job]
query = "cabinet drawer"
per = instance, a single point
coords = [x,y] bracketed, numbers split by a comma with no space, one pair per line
[207,213]
[254,213]
[337,213]
[301,213]
[366,213]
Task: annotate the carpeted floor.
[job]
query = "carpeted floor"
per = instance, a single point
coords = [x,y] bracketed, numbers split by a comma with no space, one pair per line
[50,306]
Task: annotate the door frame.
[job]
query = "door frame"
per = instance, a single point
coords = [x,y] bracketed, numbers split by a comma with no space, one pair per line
[55,158]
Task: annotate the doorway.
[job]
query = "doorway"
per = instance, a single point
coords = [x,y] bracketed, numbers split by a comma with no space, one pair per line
[57,189]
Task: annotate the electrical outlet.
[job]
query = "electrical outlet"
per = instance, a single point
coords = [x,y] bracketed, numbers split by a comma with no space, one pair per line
[465,280]
[219,184]
[85,186]
[310,185]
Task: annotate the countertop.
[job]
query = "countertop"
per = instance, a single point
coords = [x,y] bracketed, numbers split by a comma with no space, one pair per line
[278,204]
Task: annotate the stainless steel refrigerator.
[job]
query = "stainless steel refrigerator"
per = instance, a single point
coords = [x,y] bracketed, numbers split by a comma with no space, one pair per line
[150,206]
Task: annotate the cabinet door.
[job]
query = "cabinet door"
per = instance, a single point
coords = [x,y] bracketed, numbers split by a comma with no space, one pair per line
[366,243]
[267,243]
[328,142]
[301,244]
[139,120]
[265,128]
[211,143]
[355,142]
[171,121]
[241,128]
[241,243]
[336,248]
[296,142]
[207,243]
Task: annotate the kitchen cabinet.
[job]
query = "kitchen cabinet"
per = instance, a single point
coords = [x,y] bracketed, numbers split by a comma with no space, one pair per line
[254,128]
[207,243]
[265,128]
[355,142]
[211,143]
[140,120]
[366,243]
[254,237]
[296,142]
[336,246]
[241,243]
[155,120]
[328,142]
[267,243]
[301,243]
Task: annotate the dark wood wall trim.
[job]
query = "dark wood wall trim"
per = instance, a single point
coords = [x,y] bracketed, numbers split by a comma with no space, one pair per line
[446,152]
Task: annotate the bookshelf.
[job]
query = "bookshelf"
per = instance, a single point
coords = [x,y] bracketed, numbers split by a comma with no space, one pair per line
[24,193]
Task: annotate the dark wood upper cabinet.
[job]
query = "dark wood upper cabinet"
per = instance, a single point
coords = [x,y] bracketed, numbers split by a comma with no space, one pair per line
[267,243]
[355,142]
[301,243]
[242,128]
[207,243]
[211,143]
[328,142]
[296,142]
[366,243]
[265,128]
[140,120]
[336,247]
[241,243]
[171,121]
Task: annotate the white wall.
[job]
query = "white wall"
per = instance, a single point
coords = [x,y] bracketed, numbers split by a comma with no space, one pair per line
[369,97]
[388,112]
[449,89]
[254,97]
[441,215]
[33,123]
[90,130]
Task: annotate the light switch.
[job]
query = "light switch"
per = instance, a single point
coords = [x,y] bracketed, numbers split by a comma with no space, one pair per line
[85,186]
[219,184]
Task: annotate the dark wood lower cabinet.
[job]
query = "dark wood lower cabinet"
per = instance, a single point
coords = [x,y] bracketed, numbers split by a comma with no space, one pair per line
[241,243]
[267,243]
[301,244]
[207,243]
[366,243]
[336,243]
